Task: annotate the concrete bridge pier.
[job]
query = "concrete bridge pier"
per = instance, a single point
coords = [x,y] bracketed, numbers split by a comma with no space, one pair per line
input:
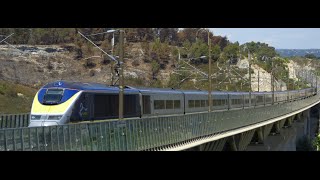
[259,135]
[275,128]
[306,120]
[217,145]
[288,122]
[267,130]
[239,142]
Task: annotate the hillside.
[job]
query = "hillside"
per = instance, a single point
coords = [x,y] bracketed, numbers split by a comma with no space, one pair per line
[15,98]
[36,66]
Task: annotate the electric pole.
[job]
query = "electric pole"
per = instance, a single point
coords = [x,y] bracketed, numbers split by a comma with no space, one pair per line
[249,60]
[209,75]
[272,81]
[258,81]
[121,78]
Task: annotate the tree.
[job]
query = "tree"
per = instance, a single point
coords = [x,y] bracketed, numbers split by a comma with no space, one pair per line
[215,52]
[154,68]
[310,56]
[230,51]
[187,34]
[199,49]
[222,42]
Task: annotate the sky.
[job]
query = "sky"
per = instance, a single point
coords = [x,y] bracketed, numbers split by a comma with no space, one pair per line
[280,38]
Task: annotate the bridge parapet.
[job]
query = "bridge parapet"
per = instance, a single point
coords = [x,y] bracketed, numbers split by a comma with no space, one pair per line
[14,120]
[156,133]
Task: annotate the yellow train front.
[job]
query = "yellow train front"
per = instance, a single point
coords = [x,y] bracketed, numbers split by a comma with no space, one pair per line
[53,104]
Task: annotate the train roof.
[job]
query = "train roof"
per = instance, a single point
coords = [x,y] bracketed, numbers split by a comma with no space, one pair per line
[97,86]
[84,86]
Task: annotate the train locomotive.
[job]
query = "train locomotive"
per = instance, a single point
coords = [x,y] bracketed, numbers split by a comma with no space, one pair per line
[63,102]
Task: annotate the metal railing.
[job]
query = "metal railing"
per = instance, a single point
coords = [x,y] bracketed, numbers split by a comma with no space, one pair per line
[140,134]
[14,120]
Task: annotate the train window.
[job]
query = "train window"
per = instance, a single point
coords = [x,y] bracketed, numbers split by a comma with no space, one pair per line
[197,103]
[223,102]
[268,98]
[53,96]
[159,104]
[246,101]
[259,99]
[130,104]
[203,103]
[169,104]
[177,104]
[191,103]
[106,105]
[146,104]
[207,103]
[216,102]
[236,101]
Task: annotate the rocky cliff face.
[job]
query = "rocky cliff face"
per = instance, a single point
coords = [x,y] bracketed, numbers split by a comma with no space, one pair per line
[36,65]
[264,78]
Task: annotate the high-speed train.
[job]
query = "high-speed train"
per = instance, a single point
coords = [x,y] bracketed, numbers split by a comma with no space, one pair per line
[64,102]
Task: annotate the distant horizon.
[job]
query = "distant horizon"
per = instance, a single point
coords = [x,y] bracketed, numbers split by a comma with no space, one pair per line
[299,49]
[279,38]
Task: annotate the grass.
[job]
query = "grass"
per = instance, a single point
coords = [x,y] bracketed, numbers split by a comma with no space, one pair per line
[11,103]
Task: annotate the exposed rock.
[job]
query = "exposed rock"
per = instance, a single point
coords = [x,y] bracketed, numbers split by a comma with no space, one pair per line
[20,95]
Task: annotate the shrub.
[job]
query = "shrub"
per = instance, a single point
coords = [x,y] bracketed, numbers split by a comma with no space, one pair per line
[92,72]
[135,63]
[89,64]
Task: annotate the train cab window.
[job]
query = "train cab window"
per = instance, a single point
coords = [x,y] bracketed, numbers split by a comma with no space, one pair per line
[169,104]
[146,104]
[203,103]
[159,104]
[53,96]
[191,103]
[197,103]
[176,104]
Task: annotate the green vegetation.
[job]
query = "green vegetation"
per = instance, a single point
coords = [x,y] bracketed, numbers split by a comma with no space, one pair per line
[15,98]
[316,142]
[310,56]
[260,49]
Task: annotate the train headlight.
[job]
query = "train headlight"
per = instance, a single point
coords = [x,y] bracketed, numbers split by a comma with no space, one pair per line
[54,117]
[35,117]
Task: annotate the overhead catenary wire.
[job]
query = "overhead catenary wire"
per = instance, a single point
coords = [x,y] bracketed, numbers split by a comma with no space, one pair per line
[110,56]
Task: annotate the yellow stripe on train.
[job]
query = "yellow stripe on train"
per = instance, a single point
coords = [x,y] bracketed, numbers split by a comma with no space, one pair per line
[38,108]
